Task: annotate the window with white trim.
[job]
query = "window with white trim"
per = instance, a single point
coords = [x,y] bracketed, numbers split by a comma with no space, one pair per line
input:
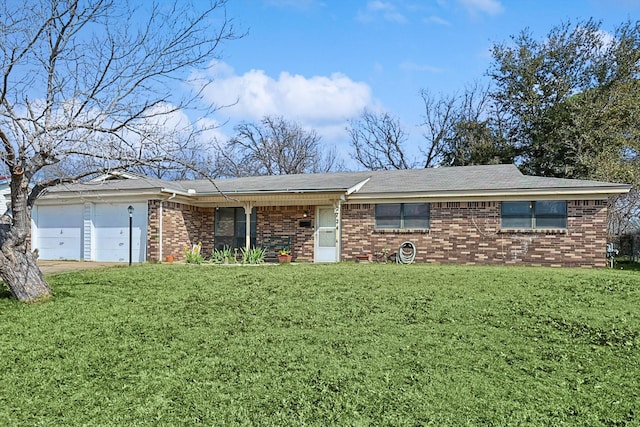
[541,214]
[413,216]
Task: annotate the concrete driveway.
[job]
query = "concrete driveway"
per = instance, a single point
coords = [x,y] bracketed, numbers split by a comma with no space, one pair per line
[49,267]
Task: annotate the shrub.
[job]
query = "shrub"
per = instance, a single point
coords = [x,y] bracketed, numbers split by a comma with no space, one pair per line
[223,256]
[253,255]
[193,255]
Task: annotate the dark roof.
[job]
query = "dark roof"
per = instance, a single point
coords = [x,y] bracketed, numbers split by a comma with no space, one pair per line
[467,178]
[119,184]
[445,179]
[281,183]
[461,178]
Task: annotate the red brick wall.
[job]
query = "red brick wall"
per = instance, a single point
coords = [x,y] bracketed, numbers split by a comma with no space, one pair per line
[188,225]
[460,233]
[469,233]
[183,225]
[284,221]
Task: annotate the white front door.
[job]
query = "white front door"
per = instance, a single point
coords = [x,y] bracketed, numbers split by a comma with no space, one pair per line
[325,235]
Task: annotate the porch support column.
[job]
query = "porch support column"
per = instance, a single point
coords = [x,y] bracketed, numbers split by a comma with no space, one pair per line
[247,232]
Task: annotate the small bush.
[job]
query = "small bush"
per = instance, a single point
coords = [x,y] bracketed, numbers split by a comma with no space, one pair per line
[253,255]
[193,255]
[223,256]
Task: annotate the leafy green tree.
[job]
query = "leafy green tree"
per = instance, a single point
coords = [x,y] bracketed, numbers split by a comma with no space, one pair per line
[476,143]
[572,100]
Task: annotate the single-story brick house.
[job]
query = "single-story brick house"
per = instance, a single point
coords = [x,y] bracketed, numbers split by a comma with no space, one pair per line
[464,215]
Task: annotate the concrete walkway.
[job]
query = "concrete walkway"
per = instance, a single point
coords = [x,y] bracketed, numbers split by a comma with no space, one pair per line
[49,267]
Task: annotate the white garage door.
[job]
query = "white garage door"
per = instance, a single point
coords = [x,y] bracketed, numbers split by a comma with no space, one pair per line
[59,232]
[111,227]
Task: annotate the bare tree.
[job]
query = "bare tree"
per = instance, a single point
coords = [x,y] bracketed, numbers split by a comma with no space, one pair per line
[624,211]
[440,115]
[378,142]
[97,80]
[275,146]
[451,123]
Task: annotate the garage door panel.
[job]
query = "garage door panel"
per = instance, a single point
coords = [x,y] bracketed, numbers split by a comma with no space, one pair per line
[59,232]
[66,233]
[111,227]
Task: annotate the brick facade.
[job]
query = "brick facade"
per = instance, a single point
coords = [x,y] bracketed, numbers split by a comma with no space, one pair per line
[185,225]
[469,233]
[182,225]
[460,233]
[283,222]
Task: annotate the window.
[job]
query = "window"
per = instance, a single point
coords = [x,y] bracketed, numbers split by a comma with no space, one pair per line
[231,226]
[403,215]
[539,215]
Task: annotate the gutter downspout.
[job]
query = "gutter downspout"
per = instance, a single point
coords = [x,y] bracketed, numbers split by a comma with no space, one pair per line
[160,222]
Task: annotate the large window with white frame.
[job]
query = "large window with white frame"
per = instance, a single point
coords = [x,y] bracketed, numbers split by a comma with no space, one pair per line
[540,214]
[413,216]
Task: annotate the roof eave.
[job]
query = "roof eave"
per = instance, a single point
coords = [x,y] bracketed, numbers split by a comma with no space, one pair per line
[99,194]
[574,192]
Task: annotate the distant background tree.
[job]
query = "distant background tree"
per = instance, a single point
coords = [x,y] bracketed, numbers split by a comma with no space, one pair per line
[567,106]
[464,129]
[439,119]
[460,129]
[93,80]
[275,146]
[378,142]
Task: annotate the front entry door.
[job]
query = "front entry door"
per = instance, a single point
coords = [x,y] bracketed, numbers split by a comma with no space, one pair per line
[325,235]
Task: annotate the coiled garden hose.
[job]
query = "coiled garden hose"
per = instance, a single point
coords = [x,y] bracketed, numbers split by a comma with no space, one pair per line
[406,253]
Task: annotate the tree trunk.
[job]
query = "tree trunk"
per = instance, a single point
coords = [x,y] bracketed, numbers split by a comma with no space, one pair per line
[23,277]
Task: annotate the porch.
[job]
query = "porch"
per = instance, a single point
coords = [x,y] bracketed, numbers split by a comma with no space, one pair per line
[292,227]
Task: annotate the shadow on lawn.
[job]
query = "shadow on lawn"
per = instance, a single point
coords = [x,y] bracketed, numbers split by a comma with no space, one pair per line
[626,265]
[4,292]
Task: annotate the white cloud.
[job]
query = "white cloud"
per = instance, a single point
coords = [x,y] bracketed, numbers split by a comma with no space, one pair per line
[608,40]
[491,7]
[436,20]
[377,8]
[323,103]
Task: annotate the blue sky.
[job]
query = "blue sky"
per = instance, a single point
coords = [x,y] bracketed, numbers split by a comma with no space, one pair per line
[320,62]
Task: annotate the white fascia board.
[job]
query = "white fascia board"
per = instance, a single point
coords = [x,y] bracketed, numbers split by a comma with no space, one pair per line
[51,198]
[357,187]
[121,174]
[262,199]
[588,193]
[177,192]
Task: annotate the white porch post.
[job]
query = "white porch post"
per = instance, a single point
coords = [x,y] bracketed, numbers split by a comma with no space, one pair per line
[247,232]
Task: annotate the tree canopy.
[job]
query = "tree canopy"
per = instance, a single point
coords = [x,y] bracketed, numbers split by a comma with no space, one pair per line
[274,146]
[564,105]
[88,86]
[572,100]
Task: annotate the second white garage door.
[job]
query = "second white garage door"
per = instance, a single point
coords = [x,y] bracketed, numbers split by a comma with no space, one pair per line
[111,228]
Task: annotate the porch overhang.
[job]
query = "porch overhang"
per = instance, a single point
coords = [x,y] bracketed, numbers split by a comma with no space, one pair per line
[230,199]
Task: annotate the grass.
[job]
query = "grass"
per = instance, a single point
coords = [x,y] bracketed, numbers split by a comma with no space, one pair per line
[346,344]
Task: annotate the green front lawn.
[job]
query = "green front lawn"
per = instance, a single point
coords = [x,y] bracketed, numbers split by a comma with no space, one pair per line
[346,344]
